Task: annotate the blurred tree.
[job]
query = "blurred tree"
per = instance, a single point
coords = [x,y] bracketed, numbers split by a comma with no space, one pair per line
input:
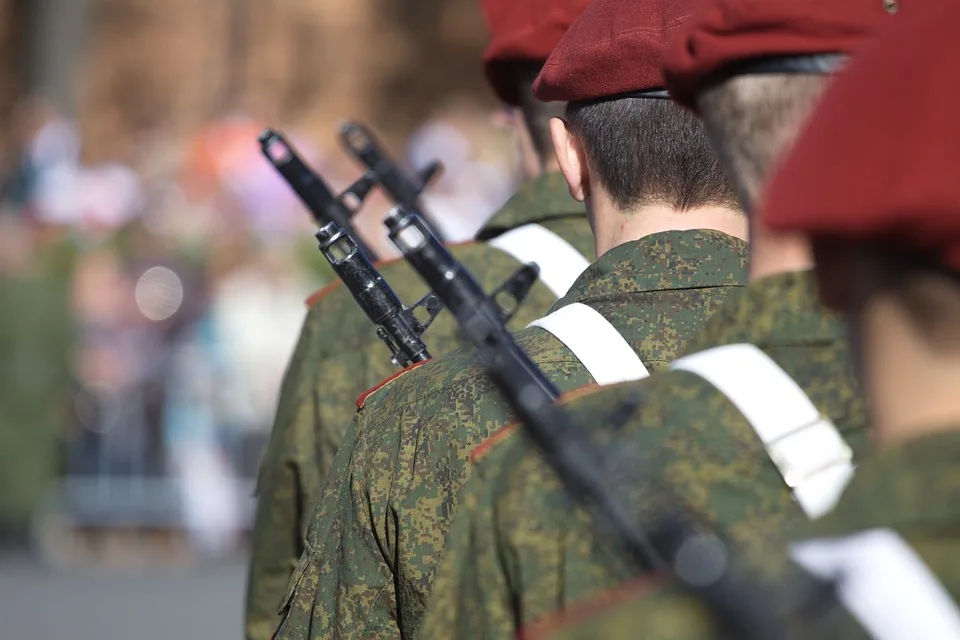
[56,36]
[11,77]
[444,41]
[304,64]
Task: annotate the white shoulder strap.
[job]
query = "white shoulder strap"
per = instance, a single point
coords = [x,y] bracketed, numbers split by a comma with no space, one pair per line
[560,264]
[595,342]
[811,455]
[884,583]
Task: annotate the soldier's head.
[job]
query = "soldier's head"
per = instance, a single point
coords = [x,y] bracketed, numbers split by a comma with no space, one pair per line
[873,182]
[639,161]
[522,35]
[754,70]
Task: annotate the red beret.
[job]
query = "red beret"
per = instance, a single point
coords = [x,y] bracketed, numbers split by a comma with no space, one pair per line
[879,158]
[523,30]
[725,32]
[614,48]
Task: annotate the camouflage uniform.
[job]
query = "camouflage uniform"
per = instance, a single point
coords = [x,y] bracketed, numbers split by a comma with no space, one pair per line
[519,550]
[36,340]
[378,535]
[913,488]
[339,356]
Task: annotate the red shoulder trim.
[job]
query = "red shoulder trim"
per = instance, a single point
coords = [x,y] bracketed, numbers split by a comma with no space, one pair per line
[581,611]
[462,243]
[482,449]
[362,398]
[318,295]
[588,389]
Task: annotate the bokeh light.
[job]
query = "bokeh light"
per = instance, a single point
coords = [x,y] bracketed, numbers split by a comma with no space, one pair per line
[159,293]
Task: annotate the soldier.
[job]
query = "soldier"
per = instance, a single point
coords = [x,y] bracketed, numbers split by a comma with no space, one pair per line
[36,338]
[339,355]
[886,237]
[670,239]
[518,551]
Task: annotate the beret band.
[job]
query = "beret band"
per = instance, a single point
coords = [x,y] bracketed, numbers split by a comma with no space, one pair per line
[725,33]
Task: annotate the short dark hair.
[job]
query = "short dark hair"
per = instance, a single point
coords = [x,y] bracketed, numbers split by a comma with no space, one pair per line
[753,119]
[650,151]
[536,114]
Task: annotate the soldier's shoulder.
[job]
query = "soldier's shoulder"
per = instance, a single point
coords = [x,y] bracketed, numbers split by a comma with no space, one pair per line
[372,398]
[541,346]
[487,452]
[498,444]
[439,376]
[647,603]
[667,399]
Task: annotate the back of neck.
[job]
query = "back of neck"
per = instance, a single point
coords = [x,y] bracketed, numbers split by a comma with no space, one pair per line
[773,253]
[619,227]
[911,361]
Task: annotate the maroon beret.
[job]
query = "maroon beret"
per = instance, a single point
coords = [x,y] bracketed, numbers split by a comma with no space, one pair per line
[878,160]
[615,47]
[722,33]
[523,30]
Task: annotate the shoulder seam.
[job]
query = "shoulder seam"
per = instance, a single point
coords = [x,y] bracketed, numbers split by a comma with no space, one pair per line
[574,394]
[362,398]
[481,450]
[596,605]
[321,293]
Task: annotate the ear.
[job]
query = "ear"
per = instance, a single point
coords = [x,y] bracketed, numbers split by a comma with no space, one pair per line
[570,157]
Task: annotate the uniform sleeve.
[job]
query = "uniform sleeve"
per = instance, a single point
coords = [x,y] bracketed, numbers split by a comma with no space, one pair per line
[467,597]
[284,489]
[346,587]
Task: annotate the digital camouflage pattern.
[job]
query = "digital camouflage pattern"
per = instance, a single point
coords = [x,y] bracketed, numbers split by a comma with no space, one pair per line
[338,356]
[519,550]
[379,533]
[913,488]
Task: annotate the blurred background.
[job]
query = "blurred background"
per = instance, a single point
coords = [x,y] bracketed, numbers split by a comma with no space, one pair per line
[153,272]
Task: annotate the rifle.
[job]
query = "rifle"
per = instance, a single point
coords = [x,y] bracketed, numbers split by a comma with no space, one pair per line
[314,192]
[396,324]
[360,142]
[699,560]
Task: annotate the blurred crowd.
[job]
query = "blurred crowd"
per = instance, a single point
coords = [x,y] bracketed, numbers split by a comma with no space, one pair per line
[150,306]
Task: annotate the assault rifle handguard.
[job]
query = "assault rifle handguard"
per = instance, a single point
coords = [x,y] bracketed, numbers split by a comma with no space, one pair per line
[397,325]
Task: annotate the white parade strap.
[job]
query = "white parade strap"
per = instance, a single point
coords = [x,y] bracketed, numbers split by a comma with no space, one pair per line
[560,263]
[808,450]
[882,581]
[595,342]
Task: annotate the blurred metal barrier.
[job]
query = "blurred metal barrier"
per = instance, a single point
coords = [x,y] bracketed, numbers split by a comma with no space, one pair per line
[122,483]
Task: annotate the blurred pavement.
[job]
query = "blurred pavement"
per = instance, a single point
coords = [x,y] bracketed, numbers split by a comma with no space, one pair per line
[203,601]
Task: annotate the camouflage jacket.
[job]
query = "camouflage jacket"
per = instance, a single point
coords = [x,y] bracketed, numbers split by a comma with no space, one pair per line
[338,356]
[378,536]
[519,550]
[36,375]
[913,489]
